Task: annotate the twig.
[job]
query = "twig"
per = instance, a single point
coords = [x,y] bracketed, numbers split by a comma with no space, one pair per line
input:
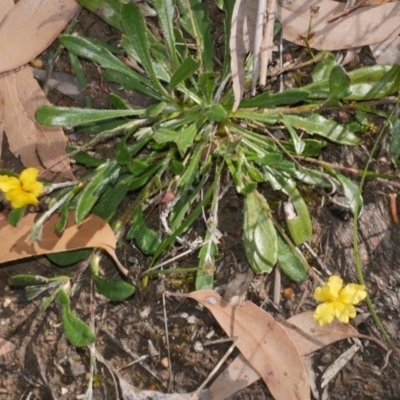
[213,372]
[133,355]
[167,343]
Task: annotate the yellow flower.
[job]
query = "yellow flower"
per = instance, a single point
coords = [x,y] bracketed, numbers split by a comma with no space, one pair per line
[337,301]
[23,190]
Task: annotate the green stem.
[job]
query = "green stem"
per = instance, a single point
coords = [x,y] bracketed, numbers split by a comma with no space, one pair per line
[356,251]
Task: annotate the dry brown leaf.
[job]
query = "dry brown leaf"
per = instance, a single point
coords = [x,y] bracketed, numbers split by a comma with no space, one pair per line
[29,27]
[20,95]
[263,343]
[92,232]
[362,27]
[5,347]
[244,20]
[308,337]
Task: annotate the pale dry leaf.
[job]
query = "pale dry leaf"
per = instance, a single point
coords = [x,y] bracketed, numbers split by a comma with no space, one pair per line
[387,52]
[37,145]
[263,343]
[268,41]
[363,27]
[308,337]
[29,27]
[6,347]
[92,232]
[244,20]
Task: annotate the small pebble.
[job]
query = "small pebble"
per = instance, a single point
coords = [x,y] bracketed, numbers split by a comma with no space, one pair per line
[198,347]
[164,362]
[6,302]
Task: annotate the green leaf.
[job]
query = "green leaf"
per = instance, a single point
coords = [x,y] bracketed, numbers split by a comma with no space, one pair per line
[268,100]
[350,191]
[165,13]
[206,271]
[105,175]
[118,102]
[207,84]
[192,169]
[189,220]
[290,262]
[136,30]
[110,200]
[300,226]
[339,84]
[69,116]
[228,8]
[317,124]
[269,119]
[76,331]
[298,144]
[147,239]
[195,21]
[185,71]
[66,258]
[107,10]
[324,67]
[394,148]
[113,289]
[259,235]
[215,112]
[85,158]
[15,215]
[367,83]
[93,51]
[122,154]
[27,280]
[185,138]
[374,82]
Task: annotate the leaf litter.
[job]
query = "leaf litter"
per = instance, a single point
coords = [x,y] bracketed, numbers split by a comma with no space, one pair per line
[299,332]
[26,30]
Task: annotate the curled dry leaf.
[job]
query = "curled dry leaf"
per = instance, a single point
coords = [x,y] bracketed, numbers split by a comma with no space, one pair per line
[264,344]
[362,27]
[29,27]
[92,232]
[308,337]
[37,145]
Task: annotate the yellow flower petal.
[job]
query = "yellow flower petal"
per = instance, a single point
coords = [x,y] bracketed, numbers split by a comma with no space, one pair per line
[353,294]
[343,312]
[324,314]
[19,198]
[330,291]
[8,183]
[23,190]
[28,178]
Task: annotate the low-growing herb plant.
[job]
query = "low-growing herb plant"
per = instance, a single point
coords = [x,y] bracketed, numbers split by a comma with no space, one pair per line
[183,144]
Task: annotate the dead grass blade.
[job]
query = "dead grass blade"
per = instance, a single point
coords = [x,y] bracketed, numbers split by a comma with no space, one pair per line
[244,20]
[92,232]
[29,27]
[263,343]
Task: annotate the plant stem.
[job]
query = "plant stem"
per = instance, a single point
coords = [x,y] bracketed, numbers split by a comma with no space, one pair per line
[357,259]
